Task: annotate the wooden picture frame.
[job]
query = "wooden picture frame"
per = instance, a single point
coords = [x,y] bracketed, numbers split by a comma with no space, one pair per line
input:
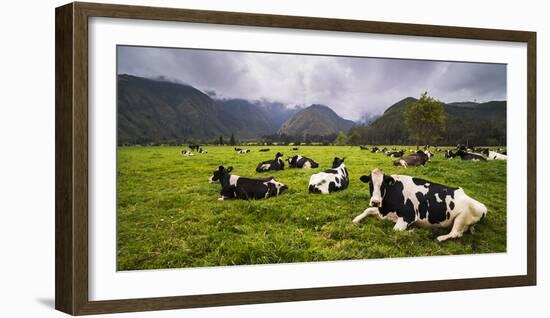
[71,90]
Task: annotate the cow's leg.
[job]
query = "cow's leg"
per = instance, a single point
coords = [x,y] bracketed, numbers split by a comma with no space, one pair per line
[460,225]
[400,225]
[367,212]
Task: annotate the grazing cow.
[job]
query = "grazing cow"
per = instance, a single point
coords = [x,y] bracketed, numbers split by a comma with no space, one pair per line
[330,180]
[464,155]
[295,148]
[396,154]
[364,147]
[492,155]
[236,187]
[274,164]
[187,153]
[301,162]
[264,150]
[407,200]
[243,151]
[375,149]
[418,159]
[194,147]
[202,151]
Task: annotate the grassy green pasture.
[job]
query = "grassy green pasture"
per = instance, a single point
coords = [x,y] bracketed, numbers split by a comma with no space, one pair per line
[169,215]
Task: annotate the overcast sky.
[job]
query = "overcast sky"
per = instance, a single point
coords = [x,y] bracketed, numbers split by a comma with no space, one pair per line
[350,86]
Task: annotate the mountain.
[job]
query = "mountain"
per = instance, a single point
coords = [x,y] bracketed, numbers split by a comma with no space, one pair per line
[467,122]
[316,120]
[155,110]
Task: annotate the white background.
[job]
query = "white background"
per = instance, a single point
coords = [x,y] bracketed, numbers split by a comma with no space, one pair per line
[27,159]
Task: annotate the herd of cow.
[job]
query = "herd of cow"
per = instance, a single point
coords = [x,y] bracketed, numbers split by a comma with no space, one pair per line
[402,199]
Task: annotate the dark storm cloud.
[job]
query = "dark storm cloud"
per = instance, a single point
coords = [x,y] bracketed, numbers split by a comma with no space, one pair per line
[351,86]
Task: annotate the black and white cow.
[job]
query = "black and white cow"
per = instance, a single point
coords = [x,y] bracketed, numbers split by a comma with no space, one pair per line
[464,155]
[242,151]
[375,150]
[301,162]
[264,150]
[330,180]
[274,164]
[200,150]
[364,147]
[384,149]
[237,149]
[187,153]
[492,155]
[194,147]
[295,148]
[407,200]
[418,159]
[236,187]
[396,154]
[449,154]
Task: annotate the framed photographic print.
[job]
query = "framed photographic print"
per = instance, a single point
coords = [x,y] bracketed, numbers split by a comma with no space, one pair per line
[211,158]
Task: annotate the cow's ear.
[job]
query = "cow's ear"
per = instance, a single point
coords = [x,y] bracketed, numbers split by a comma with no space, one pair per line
[229,169]
[389,180]
[365,179]
[221,168]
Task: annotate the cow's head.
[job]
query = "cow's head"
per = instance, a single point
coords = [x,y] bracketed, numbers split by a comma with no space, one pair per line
[217,174]
[378,182]
[337,162]
[278,155]
[485,151]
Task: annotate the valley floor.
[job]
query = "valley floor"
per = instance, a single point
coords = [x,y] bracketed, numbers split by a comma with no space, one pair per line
[169,215]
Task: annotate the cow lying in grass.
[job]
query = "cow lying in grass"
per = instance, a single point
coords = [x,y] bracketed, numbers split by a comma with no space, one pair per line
[330,180]
[492,155]
[418,159]
[187,153]
[407,200]
[236,187]
[274,164]
[464,155]
[301,162]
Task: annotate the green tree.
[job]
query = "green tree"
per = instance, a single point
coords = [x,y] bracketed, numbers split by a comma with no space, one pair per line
[354,138]
[341,139]
[220,141]
[425,119]
[232,141]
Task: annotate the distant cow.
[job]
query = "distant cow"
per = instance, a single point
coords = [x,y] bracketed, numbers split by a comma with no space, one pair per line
[301,162]
[194,147]
[384,149]
[492,155]
[243,151]
[396,154]
[375,150]
[274,164]
[295,148]
[407,200]
[200,150]
[464,155]
[236,187]
[364,147]
[449,154]
[330,180]
[418,159]
[264,150]
[187,153]
[237,149]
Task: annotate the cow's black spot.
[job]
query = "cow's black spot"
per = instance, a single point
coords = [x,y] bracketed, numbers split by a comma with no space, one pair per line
[448,215]
[452,205]
[331,186]
[331,171]
[337,179]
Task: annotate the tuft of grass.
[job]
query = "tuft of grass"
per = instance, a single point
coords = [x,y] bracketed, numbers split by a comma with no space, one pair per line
[169,215]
